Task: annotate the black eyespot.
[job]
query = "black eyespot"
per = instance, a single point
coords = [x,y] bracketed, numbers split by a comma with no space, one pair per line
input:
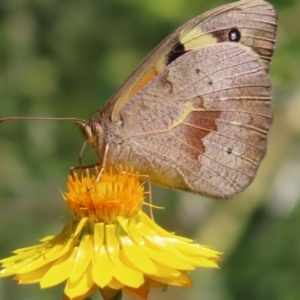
[210,82]
[197,71]
[234,35]
[229,150]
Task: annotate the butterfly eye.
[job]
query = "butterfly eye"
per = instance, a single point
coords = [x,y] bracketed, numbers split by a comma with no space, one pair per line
[229,150]
[234,35]
[96,128]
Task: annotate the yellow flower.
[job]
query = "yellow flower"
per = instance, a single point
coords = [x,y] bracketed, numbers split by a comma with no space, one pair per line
[109,244]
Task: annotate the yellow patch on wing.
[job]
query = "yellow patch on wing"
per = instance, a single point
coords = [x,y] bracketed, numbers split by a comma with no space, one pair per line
[195,38]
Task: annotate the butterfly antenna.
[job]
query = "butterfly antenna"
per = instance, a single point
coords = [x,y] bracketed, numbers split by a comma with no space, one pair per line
[39,119]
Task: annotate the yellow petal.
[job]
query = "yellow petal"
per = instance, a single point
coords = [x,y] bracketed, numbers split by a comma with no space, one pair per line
[46,239]
[99,233]
[112,242]
[135,234]
[168,259]
[137,256]
[34,276]
[160,231]
[61,244]
[204,262]
[81,286]
[122,273]
[126,275]
[34,249]
[31,254]
[166,271]
[103,269]
[83,258]
[60,271]
[39,260]
[195,249]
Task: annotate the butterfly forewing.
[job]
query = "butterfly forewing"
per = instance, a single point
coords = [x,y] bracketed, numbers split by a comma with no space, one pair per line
[254,22]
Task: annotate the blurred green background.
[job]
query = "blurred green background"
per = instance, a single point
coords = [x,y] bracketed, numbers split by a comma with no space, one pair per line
[65,58]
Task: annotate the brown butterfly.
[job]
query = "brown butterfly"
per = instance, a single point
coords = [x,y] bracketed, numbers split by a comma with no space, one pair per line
[196,113]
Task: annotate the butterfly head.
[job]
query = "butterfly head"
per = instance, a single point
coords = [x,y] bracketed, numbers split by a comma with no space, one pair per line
[91,130]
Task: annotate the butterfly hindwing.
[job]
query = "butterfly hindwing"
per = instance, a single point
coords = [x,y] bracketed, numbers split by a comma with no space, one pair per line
[202,123]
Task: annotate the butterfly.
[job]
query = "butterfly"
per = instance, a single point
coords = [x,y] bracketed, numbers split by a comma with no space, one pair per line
[195,115]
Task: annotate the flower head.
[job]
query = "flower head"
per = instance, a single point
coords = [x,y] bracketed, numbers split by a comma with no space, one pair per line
[109,244]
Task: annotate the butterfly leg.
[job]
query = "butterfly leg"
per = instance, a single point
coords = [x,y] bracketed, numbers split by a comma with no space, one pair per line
[103,162]
[147,179]
[80,168]
[150,195]
[101,165]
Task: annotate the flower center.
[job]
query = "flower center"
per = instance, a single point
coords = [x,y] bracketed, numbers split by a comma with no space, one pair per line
[116,193]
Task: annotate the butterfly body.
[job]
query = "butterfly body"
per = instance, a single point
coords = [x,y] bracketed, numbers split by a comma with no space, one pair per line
[195,115]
